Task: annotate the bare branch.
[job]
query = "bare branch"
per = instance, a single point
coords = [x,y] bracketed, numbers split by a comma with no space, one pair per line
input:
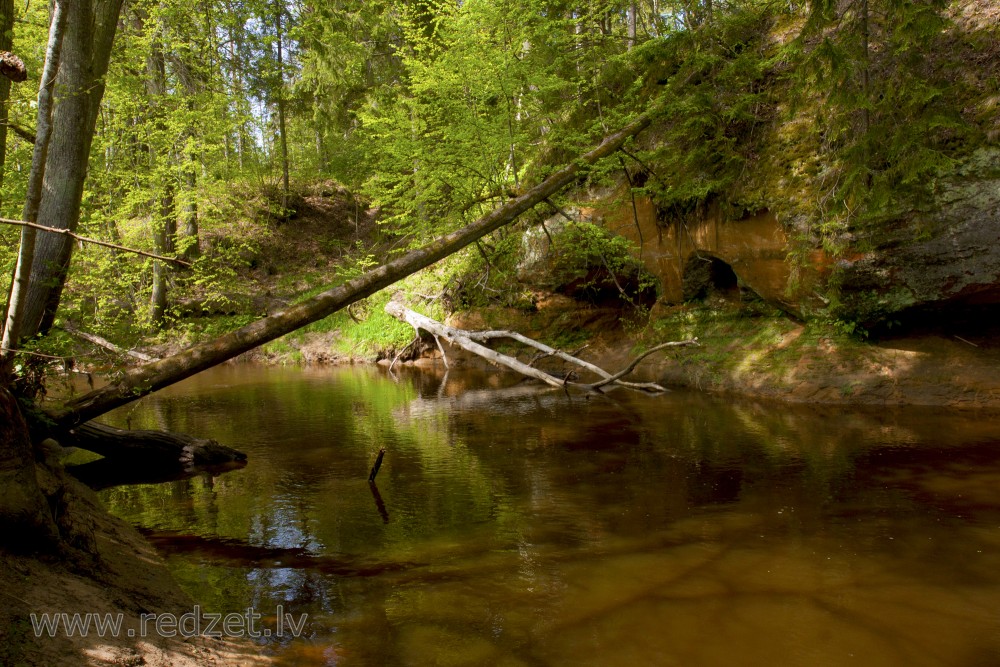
[635,362]
[106,344]
[84,239]
[23,132]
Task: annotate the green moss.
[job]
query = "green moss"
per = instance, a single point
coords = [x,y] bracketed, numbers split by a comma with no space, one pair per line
[736,344]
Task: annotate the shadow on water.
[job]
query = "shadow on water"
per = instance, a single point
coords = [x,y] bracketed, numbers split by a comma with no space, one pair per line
[513,525]
[104,473]
[234,552]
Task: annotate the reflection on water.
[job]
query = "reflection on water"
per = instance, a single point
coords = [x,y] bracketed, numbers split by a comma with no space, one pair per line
[517,526]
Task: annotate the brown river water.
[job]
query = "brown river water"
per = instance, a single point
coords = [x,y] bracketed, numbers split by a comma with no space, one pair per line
[512,525]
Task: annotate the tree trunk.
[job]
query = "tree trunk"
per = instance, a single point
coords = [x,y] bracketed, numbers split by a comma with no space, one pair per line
[163,232]
[141,381]
[25,518]
[90,31]
[149,449]
[164,225]
[6,44]
[192,242]
[235,51]
[282,138]
[192,81]
[865,90]
[17,303]
[632,20]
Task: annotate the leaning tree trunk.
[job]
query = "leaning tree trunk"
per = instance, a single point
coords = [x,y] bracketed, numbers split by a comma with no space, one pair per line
[151,377]
[90,32]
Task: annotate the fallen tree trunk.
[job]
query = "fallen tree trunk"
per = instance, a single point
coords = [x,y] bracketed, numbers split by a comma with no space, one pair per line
[148,378]
[151,449]
[467,340]
[105,473]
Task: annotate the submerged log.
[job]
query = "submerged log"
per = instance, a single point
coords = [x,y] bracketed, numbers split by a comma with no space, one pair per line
[159,449]
[468,340]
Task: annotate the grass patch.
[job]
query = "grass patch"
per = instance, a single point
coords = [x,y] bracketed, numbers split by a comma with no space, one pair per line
[738,345]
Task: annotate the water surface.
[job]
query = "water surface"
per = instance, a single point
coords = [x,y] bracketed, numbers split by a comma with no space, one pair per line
[512,525]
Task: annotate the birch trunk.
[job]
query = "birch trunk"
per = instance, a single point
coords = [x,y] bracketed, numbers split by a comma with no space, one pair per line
[90,32]
[6,44]
[17,303]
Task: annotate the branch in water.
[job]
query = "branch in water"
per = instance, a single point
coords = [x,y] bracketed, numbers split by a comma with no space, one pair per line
[467,341]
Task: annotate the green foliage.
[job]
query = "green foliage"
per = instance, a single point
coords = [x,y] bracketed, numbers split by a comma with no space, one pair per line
[493,88]
[889,123]
[717,92]
[589,262]
[440,111]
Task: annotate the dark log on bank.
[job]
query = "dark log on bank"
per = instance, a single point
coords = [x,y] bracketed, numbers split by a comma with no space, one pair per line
[152,450]
[138,382]
[240,553]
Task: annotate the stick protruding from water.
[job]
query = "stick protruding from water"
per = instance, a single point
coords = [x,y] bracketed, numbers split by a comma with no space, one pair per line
[378,464]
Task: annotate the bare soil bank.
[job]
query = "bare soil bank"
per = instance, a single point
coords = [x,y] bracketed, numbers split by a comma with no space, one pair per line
[775,358]
[123,575]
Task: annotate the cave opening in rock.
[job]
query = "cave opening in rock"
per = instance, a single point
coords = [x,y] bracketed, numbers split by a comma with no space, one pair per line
[974,320]
[706,276]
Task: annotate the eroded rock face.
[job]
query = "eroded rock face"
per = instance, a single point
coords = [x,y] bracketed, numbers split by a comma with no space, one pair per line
[574,255]
[684,255]
[935,264]
[938,261]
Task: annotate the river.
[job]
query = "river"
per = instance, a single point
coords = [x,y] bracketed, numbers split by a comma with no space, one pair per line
[512,525]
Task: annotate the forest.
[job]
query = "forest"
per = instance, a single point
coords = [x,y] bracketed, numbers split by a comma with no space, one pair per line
[187,181]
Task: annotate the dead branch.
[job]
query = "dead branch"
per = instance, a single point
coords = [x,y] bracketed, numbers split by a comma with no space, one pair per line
[559,354]
[23,132]
[85,239]
[467,340]
[105,343]
[559,211]
[635,362]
